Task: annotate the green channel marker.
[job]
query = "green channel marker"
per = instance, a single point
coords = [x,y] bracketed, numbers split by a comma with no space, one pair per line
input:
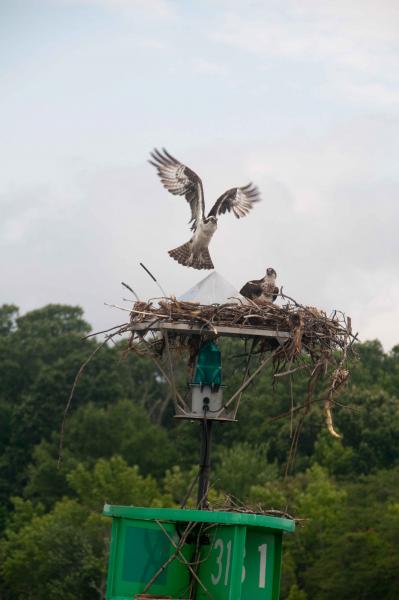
[240,558]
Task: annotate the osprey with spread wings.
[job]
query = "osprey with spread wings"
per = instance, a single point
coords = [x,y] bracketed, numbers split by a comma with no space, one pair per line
[182,181]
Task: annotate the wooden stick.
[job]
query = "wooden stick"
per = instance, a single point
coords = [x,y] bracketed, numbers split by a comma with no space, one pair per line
[158,364]
[172,378]
[248,381]
[245,375]
[189,528]
[184,559]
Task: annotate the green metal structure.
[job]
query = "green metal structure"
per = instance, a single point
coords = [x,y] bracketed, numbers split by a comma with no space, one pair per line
[209,365]
[238,557]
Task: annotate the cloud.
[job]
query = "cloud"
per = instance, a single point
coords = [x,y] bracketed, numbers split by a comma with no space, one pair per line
[351,40]
[22,209]
[208,67]
[385,96]
[155,8]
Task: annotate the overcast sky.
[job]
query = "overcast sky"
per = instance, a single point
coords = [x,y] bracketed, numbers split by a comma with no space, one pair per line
[301,97]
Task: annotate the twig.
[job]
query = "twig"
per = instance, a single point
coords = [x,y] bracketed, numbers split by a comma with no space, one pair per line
[245,375]
[248,381]
[158,364]
[172,377]
[78,375]
[189,528]
[130,290]
[90,335]
[116,306]
[184,560]
[153,278]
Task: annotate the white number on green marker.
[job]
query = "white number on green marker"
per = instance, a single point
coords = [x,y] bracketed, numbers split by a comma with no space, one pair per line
[243,572]
[226,577]
[262,565]
[216,578]
[219,546]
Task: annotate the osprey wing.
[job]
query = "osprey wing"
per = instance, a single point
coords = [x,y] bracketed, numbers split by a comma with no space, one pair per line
[276,292]
[252,289]
[240,200]
[180,181]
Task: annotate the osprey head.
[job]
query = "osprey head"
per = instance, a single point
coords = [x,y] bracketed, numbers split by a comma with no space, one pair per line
[270,272]
[211,219]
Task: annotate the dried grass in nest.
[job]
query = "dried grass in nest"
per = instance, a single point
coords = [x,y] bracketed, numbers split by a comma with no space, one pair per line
[311,330]
[231,504]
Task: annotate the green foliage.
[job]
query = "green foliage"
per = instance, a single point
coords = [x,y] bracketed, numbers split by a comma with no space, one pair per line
[332,454]
[46,479]
[296,594]
[64,553]
[371,429]
[65,550]
[8,316]
[113,482]
[122,428]
[93,432]
[179,487]
[361,564]
[39,359]
[123,446]
[242,466]
[321,501]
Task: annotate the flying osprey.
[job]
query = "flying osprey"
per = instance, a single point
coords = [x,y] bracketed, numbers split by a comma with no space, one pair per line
[182,181]
[262,290]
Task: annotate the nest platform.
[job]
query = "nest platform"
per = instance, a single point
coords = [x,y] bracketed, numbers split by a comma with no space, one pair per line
[310,328]
[288,338]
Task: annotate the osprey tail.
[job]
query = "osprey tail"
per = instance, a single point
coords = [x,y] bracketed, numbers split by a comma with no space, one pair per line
[185,256]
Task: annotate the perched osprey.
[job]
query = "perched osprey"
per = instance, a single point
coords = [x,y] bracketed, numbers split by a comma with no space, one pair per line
[262,290]
[182,181]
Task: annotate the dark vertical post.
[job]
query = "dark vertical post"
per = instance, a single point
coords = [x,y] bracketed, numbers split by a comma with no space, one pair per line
[205,463]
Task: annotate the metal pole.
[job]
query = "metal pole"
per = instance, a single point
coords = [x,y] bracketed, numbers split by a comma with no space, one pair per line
[205,462]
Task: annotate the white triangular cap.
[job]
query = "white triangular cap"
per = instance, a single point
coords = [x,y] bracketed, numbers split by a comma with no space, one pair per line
[214,289]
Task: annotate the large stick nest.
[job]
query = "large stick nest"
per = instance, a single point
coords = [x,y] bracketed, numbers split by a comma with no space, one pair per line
[317,343]
[311,330]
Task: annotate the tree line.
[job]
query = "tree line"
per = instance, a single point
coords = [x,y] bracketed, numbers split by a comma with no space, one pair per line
[123,446]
